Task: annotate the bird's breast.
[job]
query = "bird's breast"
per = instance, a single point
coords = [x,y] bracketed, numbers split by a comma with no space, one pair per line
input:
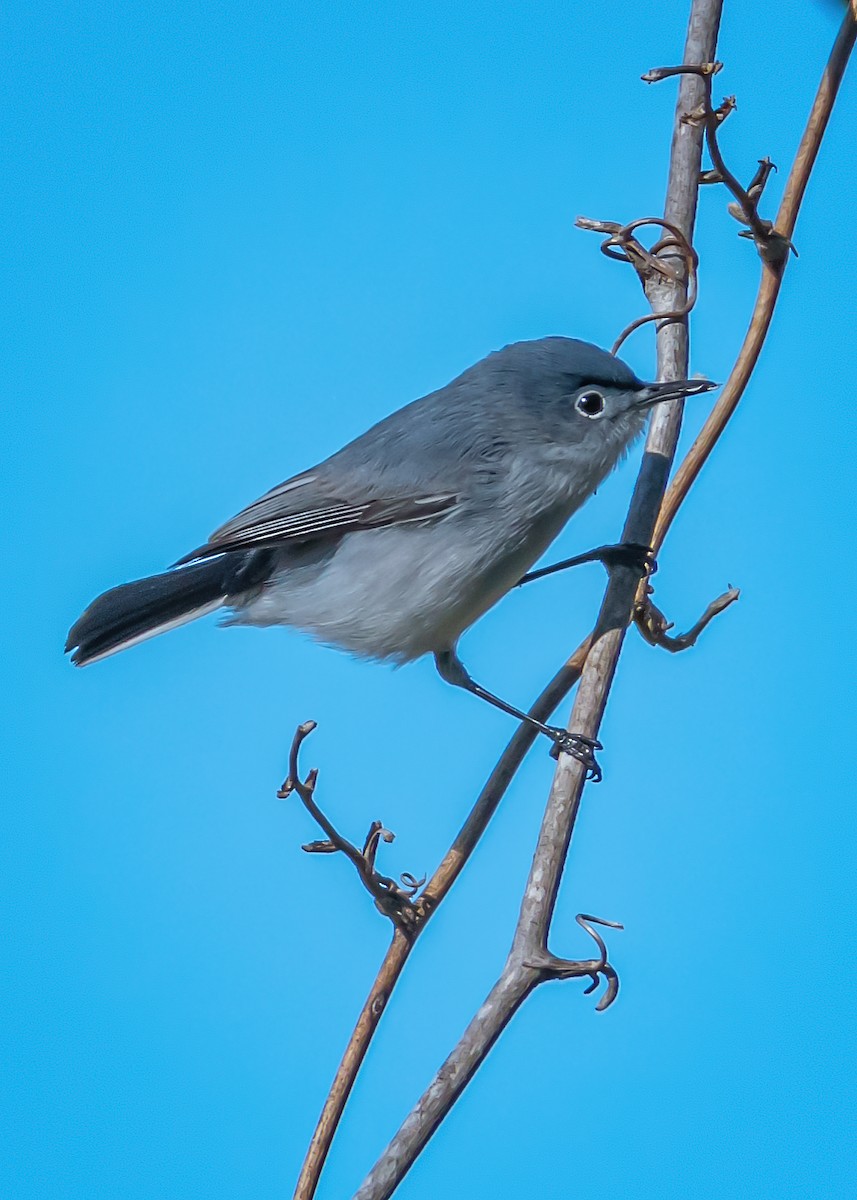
[404,591]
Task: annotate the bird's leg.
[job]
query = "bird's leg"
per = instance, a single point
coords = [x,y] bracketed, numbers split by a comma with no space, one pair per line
[624,554]
[452,670]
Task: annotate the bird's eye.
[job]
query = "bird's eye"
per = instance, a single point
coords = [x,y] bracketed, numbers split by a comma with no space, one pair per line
[591,404]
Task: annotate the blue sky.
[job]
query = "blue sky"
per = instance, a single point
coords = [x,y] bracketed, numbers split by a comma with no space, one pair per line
[236,235]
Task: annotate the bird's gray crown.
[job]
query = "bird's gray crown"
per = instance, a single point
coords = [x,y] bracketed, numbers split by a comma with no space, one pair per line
[581,362]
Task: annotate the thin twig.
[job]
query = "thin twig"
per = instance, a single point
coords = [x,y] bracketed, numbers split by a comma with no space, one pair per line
[771,281]
[435,891]
[766,297]
[621,245]
[654,626]
[771,246]
[392,899]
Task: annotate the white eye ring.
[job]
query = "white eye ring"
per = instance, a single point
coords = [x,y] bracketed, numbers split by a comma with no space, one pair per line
[590,404]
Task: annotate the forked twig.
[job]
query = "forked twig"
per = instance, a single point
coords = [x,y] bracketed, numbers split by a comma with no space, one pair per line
[434,893]
[551,967]
[773,248]
[393,899]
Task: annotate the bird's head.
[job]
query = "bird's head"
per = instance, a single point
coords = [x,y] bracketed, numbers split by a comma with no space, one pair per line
[583,398]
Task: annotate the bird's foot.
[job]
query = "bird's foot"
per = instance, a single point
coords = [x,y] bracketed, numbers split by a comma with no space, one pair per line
[629,554]
[579,747]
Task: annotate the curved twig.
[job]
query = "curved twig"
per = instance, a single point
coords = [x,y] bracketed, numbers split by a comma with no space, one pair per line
[655,628]
[549,966]
[621,245]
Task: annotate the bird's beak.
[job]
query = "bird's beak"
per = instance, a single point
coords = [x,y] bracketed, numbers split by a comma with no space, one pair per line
[671,389]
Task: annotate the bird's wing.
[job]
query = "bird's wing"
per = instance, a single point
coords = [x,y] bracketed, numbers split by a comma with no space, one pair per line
[302,509]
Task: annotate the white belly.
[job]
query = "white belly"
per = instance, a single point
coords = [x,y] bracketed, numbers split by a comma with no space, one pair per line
[402,592]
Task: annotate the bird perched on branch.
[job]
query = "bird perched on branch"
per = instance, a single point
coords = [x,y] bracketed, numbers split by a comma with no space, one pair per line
[393,546]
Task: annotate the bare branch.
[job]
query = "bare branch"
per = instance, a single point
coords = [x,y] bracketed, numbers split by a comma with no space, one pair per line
[771,246]
[654,626]
[516,983]
[436,890]
[769,287]
[531,934]
[352,1060]
[656,74]
[393,900]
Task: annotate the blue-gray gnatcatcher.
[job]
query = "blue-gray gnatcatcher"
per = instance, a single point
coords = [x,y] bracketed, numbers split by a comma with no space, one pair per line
[393,546]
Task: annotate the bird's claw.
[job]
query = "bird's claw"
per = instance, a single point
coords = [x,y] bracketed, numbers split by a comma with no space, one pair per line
[630,554]
[579,747]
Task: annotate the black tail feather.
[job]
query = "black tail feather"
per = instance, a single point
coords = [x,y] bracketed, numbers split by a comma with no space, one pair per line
[134,611]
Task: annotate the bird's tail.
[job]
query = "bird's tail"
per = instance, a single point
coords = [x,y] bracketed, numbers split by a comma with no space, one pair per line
[135,611]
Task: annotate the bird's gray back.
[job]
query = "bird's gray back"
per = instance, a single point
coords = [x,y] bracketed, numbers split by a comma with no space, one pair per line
[497,407]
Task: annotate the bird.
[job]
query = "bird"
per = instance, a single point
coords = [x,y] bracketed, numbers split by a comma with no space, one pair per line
[396,544]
